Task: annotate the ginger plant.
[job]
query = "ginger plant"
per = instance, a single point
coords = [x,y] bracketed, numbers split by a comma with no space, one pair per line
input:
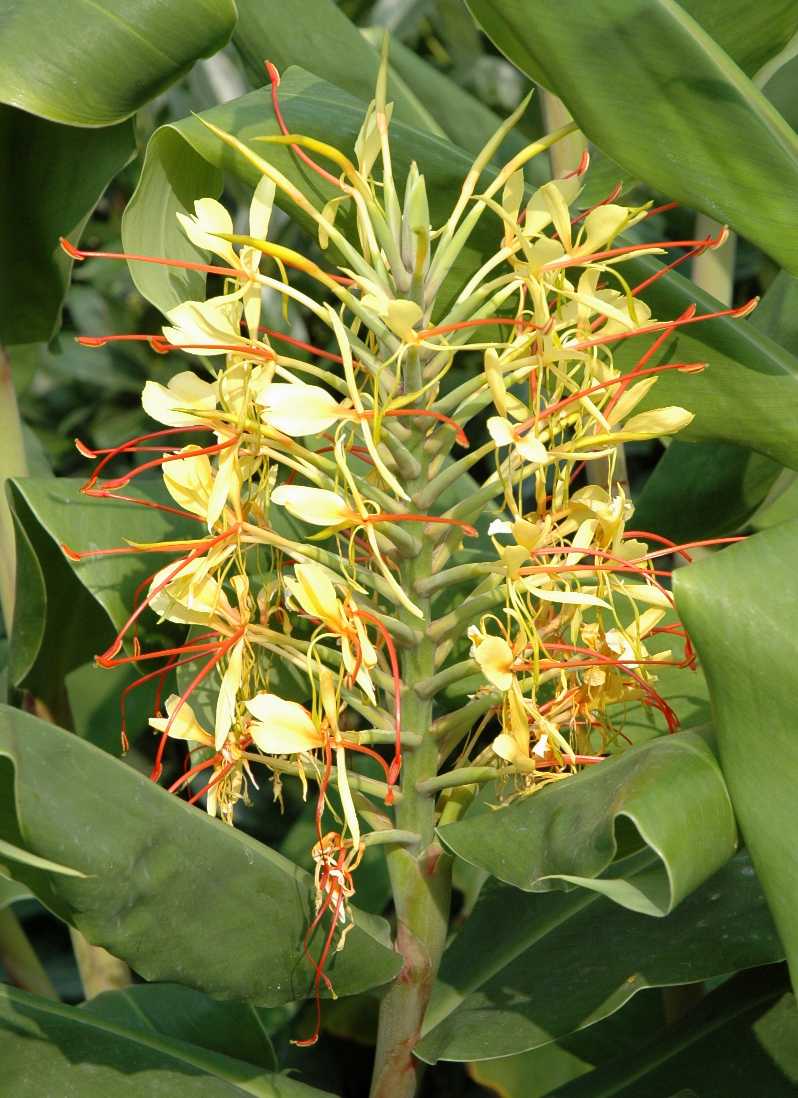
[382,593]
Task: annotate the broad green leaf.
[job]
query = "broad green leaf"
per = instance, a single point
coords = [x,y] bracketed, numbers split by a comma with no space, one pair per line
[154,865]
[750,33]
[57,624]
[659,794]
[739,606]
[739,1041]
[704,490]
[59,174]
[96,64]
[12,853]
[232,1029]
[610,60]
[528,969]
[49,1048]
[68,517]
[317,36]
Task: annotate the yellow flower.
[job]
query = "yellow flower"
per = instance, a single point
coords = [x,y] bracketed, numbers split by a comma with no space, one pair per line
[182,402]
[315,505]
[282,727]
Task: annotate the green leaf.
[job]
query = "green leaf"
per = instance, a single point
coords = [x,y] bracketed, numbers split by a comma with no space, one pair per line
[151,861]
[738,1041]
[11,891]
[750,34]
[57,624]
[704,490]
[98,63]
[59,175]
[528,969]
[67,517]
[232,1029]
[318,37]
[49,1048]
[8,851]
[610,60]
[739,608]
[658,794]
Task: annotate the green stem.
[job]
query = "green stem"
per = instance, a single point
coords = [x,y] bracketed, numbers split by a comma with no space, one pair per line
[13,463]
[18,958]
[420,875]
[466,775]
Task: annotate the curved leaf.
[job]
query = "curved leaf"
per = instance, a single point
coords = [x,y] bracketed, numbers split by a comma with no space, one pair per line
[153,860]
[172,1011]
[527,969]
[56,508]
[738,1041]
[317,36]
[50,1048]
[59,174]
[668,789]
[98,63]
[739,607]
[713,142]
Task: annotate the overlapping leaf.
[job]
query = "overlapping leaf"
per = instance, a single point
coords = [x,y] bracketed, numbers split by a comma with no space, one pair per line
[177,895]
[97,1050]
[528,969]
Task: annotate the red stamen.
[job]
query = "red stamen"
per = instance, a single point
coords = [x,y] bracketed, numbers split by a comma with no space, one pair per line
[299,152]
[183,264]
[389,516]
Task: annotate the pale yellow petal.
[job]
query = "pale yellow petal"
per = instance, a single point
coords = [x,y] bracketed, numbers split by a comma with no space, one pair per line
[298,410]
[281,727]
[185,391]
[315,505]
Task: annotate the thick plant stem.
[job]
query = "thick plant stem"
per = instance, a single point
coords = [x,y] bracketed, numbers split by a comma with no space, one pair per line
[420,876]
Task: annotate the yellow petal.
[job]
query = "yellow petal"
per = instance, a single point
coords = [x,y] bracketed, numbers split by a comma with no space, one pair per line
[185,726]
[228,693]
[298,410]
[315,505]
[505,747]
[402,316]
[532,450]
[183,391]
[209,217]
[191,598]
[189,481]
[659,421]
[501,431]
[282,727]
[206,323]
[495,658]
[314,591]
[260,209]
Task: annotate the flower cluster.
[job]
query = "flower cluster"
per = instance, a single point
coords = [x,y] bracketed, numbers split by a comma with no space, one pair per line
[337,509]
